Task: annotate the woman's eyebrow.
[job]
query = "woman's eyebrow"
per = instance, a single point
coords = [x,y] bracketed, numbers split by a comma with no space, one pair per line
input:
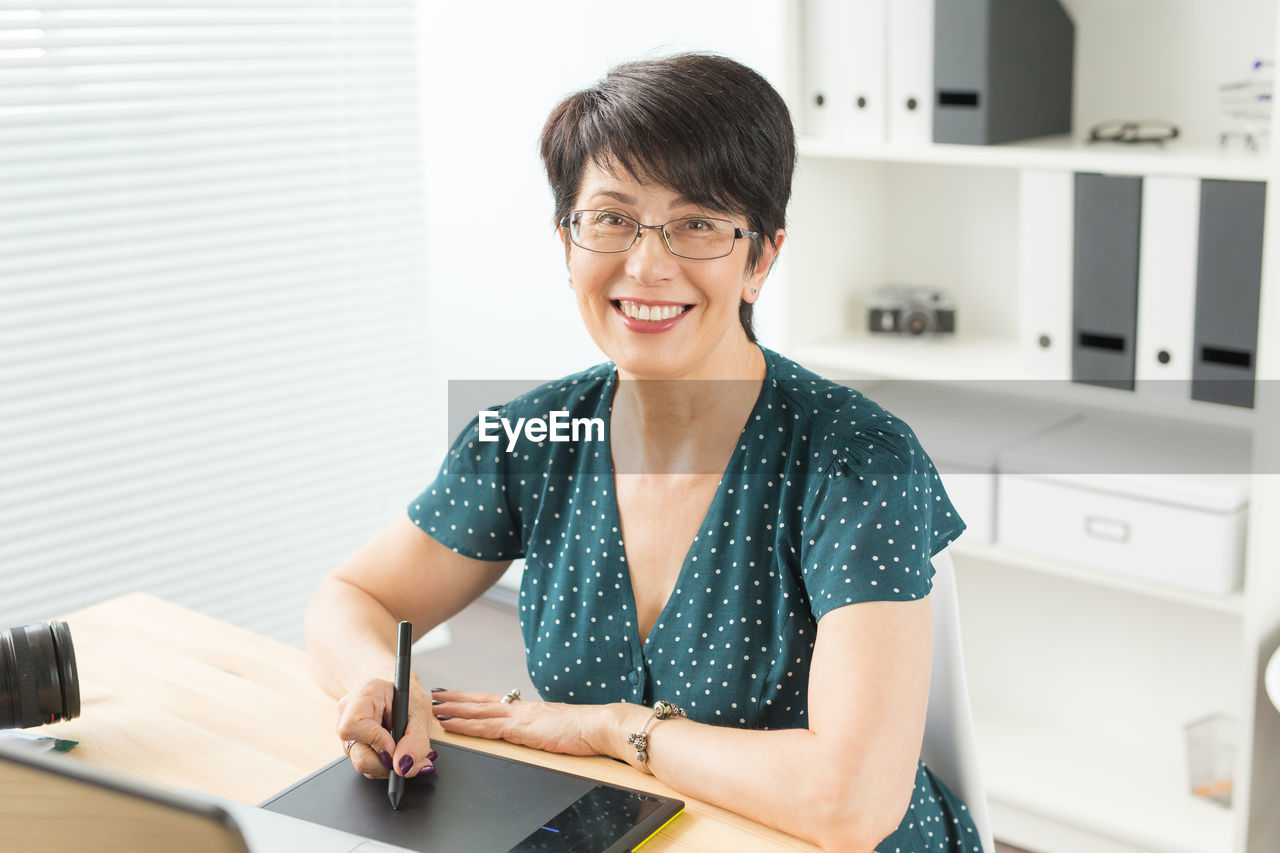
[622,197]
[678,201]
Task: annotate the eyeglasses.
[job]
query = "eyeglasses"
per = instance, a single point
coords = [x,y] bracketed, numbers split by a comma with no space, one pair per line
[1148,130]
[699,238]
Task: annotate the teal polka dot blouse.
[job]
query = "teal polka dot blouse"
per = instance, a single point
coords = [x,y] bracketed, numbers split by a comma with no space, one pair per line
[828,500]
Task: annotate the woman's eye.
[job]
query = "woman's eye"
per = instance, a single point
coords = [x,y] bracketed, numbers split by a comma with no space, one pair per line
[610,219]
[697,225]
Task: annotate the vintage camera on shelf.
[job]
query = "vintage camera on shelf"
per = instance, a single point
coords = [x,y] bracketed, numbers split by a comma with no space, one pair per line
[906,310]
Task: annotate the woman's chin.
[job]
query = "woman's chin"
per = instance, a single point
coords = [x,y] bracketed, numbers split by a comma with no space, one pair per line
[668,356]
[650,365]
[647,356]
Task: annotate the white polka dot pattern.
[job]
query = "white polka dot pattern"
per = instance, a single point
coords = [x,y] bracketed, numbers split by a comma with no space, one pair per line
[828,500]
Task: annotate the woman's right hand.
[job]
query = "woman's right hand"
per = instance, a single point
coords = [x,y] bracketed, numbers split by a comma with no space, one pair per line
[364,718]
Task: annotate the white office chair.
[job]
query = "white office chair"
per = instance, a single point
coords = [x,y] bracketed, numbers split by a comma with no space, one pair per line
[950,749]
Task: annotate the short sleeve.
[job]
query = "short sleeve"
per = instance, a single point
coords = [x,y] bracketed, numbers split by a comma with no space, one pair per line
[466,508]
[872,526]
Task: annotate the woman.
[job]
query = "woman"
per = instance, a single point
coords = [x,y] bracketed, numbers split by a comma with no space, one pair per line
[706,555]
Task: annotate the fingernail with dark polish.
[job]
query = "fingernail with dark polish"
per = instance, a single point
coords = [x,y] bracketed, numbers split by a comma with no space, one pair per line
[437,701]
[406,764]
[438,689]
[432,755]
[429,769]
[443,717]
[386,759]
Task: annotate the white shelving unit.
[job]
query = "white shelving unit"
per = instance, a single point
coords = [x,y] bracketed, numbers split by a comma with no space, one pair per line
[1053,152]
[1071,779]
[1081,681]
[991,363]
[997,555]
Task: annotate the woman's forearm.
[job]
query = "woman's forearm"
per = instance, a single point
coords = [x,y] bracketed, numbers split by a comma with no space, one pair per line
[789,779]
[401,573]
[350,637]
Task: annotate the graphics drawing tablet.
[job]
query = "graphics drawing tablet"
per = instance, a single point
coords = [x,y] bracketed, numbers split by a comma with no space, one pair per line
[480,802]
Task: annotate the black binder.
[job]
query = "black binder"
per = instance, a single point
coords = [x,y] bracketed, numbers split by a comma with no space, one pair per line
[1228,285]
[1002,70]
[1104,316]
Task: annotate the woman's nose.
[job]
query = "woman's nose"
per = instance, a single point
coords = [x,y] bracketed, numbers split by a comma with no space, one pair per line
[650,261]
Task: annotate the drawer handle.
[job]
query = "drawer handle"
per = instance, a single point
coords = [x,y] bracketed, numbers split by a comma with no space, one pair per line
[1106,528]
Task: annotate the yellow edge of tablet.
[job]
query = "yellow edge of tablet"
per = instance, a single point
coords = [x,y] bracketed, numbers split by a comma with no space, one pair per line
[656,831]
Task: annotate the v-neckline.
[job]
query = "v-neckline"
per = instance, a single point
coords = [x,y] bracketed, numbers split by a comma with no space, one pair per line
[716,499]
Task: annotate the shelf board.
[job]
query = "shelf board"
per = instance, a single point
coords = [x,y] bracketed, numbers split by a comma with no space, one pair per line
[911,357]
[1106,786]
[991,364]
[1233,604]
[1057,152]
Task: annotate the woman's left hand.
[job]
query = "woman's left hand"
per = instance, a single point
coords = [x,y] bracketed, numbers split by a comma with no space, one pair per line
[549,726]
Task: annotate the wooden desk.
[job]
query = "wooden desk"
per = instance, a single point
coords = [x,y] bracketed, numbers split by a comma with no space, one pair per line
[181,700]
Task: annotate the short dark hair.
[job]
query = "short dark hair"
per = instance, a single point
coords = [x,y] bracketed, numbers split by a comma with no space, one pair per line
[701,124]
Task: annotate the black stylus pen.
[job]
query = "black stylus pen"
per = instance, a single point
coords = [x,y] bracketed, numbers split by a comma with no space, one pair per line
[400,706]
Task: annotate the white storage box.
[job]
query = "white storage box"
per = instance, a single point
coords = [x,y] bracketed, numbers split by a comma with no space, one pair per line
[962,430]
[1160,503]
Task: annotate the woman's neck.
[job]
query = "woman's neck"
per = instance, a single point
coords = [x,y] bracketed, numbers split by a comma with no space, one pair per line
[685,426]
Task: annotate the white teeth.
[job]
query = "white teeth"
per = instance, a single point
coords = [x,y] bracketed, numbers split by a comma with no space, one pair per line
[652,313]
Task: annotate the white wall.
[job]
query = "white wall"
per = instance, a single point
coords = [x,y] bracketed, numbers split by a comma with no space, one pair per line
[492,72]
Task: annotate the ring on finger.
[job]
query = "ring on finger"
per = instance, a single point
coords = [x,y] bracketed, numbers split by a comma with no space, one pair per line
[511,696]
[346,747]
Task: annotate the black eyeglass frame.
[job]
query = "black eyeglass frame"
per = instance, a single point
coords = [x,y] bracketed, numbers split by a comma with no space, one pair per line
[568,221]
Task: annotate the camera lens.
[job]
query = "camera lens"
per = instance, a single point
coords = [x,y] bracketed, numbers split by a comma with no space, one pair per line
[38,680]
[917,321]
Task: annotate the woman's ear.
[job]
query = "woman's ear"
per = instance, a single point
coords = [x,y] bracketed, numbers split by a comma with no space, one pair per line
[563,236]
[754,283]
[779,237]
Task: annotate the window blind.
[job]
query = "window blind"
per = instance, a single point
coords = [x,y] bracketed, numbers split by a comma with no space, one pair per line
[211,287]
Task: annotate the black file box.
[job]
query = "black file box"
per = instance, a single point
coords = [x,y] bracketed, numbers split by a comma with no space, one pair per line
[1002,70]
[1104,315]
[1228,284]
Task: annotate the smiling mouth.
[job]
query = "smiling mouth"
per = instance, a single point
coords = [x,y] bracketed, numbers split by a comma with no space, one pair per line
[651,313]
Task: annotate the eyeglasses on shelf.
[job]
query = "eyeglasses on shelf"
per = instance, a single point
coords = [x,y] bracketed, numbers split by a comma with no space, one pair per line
[1152,131]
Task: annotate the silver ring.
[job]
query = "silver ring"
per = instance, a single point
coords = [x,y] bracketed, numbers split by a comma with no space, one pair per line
[346,747]
[511,696]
